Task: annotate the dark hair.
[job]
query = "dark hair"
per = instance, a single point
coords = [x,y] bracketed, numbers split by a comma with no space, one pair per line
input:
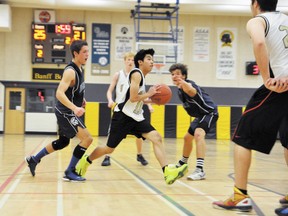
[76,46]
[183,68]
[266,5]
[140,55]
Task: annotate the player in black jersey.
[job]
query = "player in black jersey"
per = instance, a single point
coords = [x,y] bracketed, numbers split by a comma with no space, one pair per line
[69,111]
[198,104]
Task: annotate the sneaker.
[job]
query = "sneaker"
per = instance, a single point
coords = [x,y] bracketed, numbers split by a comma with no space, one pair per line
[284,201]
[198,174]
[72,176]
[237,202]
[31,164]
[82,166]
[282,211]
[141,159]
[106,161]
[171,173]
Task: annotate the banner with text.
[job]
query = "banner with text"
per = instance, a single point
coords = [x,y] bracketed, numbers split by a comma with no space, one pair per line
[101,35]
[226,53]
[124,40]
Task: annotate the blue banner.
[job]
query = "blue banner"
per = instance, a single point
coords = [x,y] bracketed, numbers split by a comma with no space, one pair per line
[101,35]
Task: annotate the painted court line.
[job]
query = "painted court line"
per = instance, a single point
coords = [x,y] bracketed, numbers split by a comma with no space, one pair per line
[174,205]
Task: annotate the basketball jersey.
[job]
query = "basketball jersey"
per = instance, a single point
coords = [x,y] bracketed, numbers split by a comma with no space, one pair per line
[121,86]
[199,105]
[276,34]
[75,93]
[133,109]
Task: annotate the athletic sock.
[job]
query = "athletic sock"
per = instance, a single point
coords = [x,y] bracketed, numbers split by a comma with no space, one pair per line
[78,152]
[200,163]
[183,160]
[40,155]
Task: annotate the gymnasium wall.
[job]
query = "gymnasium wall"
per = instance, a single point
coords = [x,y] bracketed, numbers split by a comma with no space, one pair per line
[171,121]
[15,57]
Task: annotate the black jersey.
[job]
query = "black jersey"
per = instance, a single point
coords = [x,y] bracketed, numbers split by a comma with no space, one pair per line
[199,105]
[75,93]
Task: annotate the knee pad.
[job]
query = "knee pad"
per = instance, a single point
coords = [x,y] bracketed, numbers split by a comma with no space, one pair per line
[61,143]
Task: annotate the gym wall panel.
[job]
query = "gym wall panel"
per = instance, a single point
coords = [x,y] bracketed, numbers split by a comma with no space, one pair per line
[223,123]
[182,121]
[171,121]
[92,118]
[157,119]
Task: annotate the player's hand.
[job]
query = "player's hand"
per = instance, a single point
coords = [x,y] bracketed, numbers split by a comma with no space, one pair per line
[111,103]
[153,90]
[277,85]
[79,111]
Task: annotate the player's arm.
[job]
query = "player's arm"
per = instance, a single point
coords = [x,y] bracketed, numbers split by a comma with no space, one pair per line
[68,80]
[256,29]
[187,87]
[135,80]
[111,89]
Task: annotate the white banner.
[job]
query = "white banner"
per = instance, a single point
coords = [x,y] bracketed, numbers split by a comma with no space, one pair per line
[226,53]
[201,43]
[124,40]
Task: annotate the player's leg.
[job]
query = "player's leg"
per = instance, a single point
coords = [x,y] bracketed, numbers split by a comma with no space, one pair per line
[85,141]
[140,157]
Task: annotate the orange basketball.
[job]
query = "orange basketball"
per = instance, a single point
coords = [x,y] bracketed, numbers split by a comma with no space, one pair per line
[164,95]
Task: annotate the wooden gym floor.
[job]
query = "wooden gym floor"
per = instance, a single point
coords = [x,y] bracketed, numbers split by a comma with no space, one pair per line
[128,188]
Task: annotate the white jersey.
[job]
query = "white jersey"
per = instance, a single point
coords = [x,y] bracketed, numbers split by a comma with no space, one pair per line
[133,109]
[121,86]
[276,34]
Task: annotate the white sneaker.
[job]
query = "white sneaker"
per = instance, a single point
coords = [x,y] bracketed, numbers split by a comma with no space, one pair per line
[197,175]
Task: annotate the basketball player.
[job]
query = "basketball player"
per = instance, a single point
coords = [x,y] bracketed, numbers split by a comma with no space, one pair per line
[128,118]
[267,110]
[198,104]
[69,111]
[120,84]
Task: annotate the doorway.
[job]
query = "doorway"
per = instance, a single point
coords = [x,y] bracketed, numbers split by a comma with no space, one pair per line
[14,110]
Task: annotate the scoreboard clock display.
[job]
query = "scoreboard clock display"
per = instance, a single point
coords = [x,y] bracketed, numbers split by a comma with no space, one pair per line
[50,42]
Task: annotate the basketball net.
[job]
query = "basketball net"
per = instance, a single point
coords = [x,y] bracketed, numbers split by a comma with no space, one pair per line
[157,67]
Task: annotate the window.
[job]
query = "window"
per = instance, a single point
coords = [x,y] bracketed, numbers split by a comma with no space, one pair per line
[40,100]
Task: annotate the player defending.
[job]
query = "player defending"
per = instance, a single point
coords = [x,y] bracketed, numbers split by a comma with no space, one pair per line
[128,118]
[268,32]
[69,111]
[120,84]
[198,104]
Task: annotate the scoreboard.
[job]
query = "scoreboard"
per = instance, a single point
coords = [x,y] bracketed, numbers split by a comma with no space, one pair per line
[50,42]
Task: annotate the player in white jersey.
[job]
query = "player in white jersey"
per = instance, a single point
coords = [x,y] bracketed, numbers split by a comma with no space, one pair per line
[267,111]
[119,83]
[128,118]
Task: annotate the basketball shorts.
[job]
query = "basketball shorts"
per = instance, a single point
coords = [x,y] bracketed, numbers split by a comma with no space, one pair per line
[205,122]
[121,125]
[68,124]
[265,115]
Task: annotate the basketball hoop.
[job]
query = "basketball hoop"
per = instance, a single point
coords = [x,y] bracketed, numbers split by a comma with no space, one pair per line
[158,66]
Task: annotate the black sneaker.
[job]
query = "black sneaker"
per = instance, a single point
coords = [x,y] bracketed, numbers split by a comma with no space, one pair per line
[72,176]
[106,161]
[31,164]
[142,160]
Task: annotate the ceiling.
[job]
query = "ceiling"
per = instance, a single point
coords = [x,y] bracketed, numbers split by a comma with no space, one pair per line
[203,7]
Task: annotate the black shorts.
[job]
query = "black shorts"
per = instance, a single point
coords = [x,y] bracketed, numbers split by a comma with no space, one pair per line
[205,122]
[265,115]
[121,125]
[68,124]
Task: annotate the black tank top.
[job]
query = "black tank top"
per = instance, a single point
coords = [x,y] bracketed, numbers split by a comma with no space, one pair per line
[75,93]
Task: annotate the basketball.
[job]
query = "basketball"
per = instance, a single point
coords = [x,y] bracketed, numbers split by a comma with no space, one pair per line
[164,95]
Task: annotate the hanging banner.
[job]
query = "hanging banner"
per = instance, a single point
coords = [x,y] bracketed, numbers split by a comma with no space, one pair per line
[124,41]
[226,53]
[101,35]
[201,43]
